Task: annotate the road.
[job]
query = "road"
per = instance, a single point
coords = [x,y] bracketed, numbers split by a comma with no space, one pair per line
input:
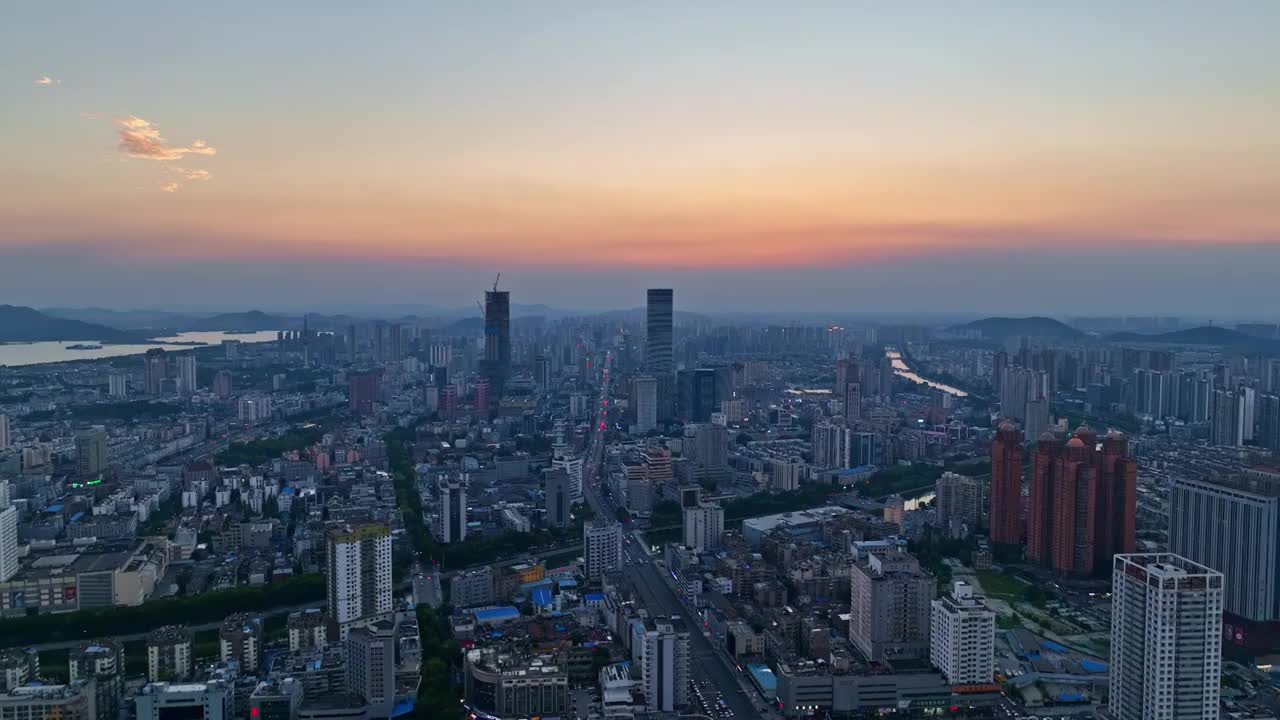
[641,570]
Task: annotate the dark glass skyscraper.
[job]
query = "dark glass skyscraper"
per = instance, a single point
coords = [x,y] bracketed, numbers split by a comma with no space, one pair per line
[657,347]
[497,341]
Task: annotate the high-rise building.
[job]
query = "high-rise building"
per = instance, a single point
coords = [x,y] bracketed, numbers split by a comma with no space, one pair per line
[497,341]
[185,363]
[711,448]
[962,637]
[889,607]
[1226,423]
[959,503]
[557,499]
[699,393]
[253,409]
[1006,486]
[601,548]
[8,537]
[853,401]
[240,641]
[364,391]
[1166,638]
[93,452]
[118,385]
[703,526]
[664,664]
[832,445]
[371,666]
[644,393]
[658,331]
[1232,524]
[38,701]
[5,440]
[154,371]
[1268,421]
[169,654]
[480,395]
[222,384]
[358,571]
[542,372]
[450,524]
[1083,505]
[103,661]
[563,459]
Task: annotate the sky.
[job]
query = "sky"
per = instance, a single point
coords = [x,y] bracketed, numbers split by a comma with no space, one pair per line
[1085,157]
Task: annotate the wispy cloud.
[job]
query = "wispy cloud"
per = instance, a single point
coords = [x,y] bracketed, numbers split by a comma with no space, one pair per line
[91,115]
[46,81]
[170,188]
[140,138]
[192,174]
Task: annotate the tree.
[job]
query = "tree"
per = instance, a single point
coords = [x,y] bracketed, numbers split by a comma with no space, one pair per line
[743,438]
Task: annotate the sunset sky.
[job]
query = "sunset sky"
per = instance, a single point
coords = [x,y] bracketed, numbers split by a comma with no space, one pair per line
[1031,157]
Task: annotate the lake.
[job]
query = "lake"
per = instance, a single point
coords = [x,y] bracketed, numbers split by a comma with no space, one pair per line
[35,353]
[901,370]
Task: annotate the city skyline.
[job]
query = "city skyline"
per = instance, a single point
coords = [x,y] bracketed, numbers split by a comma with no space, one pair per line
[754,158]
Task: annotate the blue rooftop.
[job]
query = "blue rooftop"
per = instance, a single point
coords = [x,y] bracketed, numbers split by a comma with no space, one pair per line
[505,612]
[1093,666]
[763,676]
[594,597]
[1051,645]
[542,597]
[54,508]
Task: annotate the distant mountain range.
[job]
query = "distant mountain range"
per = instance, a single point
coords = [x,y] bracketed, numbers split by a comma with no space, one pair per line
[1207,335]
[1003,328]
[24,324]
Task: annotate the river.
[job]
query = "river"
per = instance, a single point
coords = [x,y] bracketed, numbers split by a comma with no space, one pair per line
[901,370]
[35,353]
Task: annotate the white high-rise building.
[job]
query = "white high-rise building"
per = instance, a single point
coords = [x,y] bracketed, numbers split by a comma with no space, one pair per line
[646,400]
[186,367]
[664,665]
[601,548]
[962,637]
[254,409]
[703,526]
[1166,638]
[5,440]
[118,385]
[563,459]
[8,535]
[359,574]
[451,508]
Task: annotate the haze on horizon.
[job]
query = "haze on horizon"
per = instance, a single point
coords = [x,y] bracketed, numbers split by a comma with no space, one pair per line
[990,158]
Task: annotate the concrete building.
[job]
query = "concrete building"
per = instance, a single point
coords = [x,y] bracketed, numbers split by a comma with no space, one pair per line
[358,574]
[703,526]
[557,500]
[1232,524]
[103,662]
[72,701]
[808,689]
[276,699]
[213,700]
[959,504]
[6,440]
[185,369]
[664,664]
[644,393]
[93,452]
[962,637]
[371,666]
[450,524]
[889,607]
[308,630]
[240,641]
[8,541]
[169,654]
[497,341]
[1166,638]
[1006,486]
[472,588]
[515,686]
[601,548]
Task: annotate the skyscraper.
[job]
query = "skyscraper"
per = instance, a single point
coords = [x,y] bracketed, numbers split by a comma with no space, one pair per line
[1083,505]
[703,526]
[358,571]
[664,664]
[557,497]
[1268,421]
[371,666]
[5,440]
[8,535]
[186,368]
[497,341]
[601,548]
[962,637]
[154,370]
[658,342]
[1166,638]
[364,391]
[1232,524]
[1226,424]
[451,508]
[222,384]
[959,504]
[93,454]
[645,397]
[1006,486]
[853,401]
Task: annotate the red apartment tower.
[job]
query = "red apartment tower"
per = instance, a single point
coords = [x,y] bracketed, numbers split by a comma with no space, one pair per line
[363,390]
[1006,486]
[1083,502]
[480,395]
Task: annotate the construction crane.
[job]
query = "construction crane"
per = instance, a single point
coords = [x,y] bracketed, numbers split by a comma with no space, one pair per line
[495,282]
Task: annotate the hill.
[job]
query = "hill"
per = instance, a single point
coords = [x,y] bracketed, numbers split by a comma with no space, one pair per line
[1002,328]
[24,324]
[251,321]
[1207,335]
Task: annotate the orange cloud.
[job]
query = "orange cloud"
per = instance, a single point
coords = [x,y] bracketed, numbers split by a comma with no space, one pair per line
[169,188]
[140,139]
[46,81]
